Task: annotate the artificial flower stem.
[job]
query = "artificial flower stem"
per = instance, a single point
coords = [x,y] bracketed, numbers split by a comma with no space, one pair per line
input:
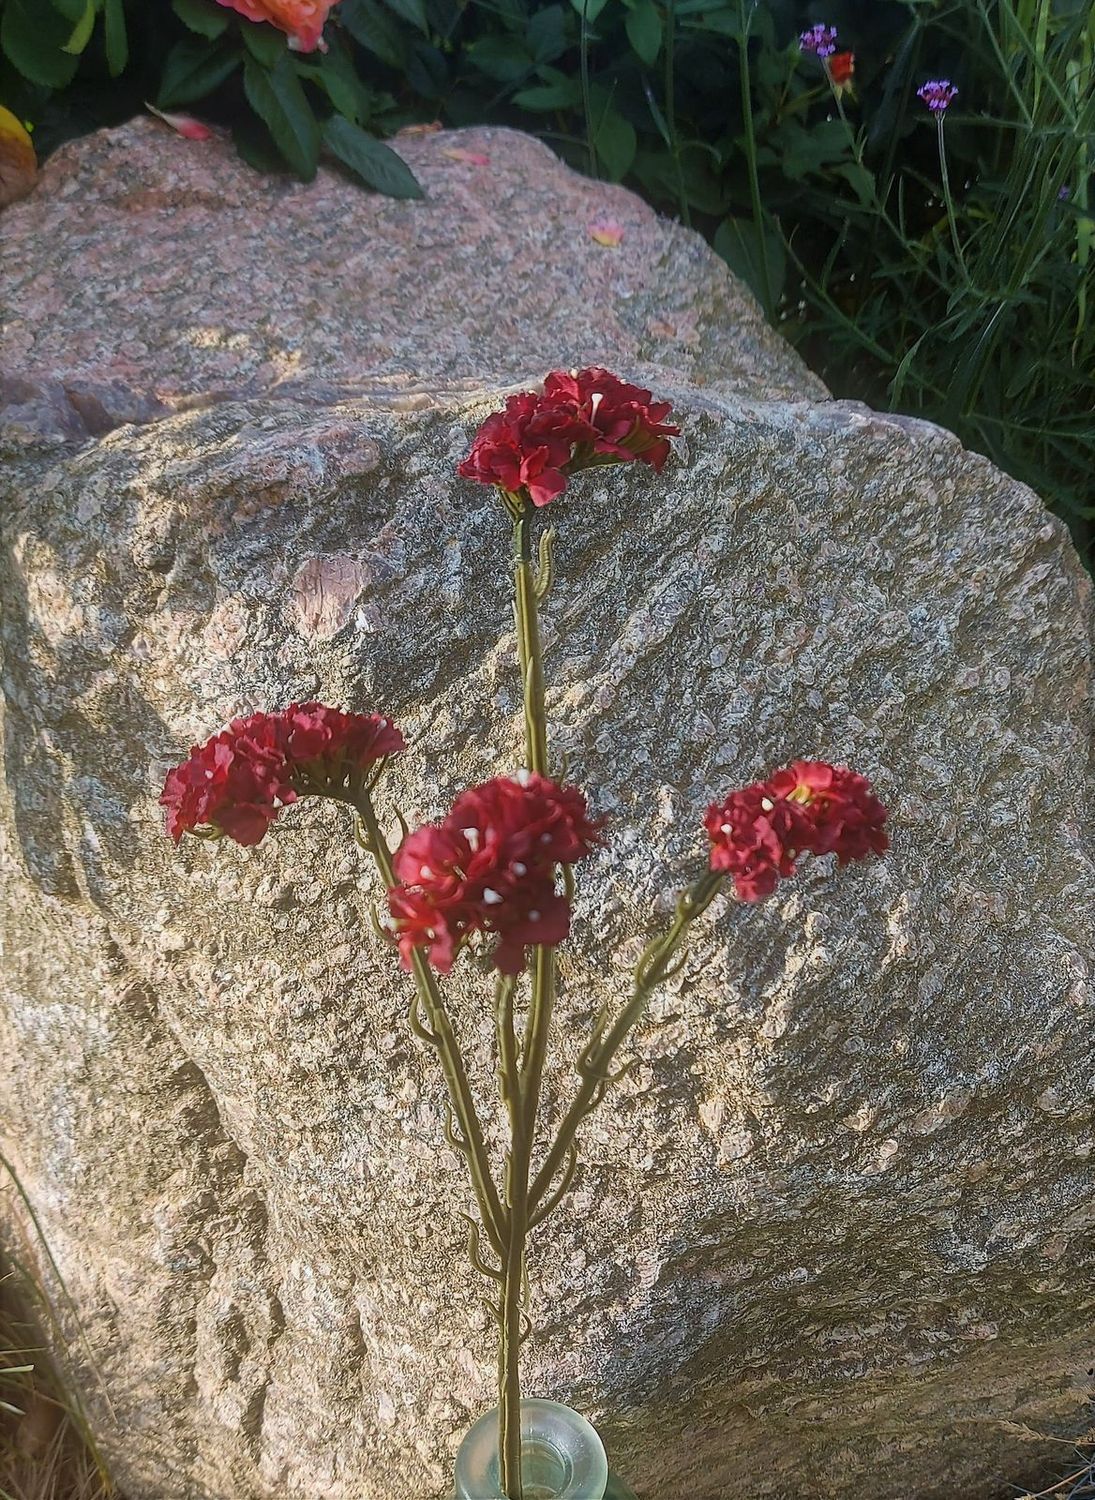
[529,650]
[511,1310]
[452,1062]
[597,1059]
[523,1092]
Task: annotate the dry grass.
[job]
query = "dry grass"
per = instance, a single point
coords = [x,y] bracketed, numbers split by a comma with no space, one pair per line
[1078,1484]
[45,1449]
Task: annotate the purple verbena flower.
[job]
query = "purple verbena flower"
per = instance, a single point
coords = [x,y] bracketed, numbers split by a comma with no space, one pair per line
[820,40]
[937,93]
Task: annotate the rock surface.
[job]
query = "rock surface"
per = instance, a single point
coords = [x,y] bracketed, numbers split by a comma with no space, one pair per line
[834,1234]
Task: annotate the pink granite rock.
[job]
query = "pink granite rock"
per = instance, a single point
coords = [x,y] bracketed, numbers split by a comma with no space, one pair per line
[833,1240]
[181,278]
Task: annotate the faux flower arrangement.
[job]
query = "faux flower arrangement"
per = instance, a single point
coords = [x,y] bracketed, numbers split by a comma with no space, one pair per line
[496,874]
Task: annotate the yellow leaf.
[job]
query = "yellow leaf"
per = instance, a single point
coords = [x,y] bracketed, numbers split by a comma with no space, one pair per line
[18,163]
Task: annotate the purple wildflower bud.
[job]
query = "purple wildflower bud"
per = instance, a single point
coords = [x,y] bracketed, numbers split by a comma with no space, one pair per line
[937,93]
[820,40]
[1065,192]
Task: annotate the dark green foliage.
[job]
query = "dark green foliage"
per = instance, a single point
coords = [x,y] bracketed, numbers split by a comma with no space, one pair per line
[967,299]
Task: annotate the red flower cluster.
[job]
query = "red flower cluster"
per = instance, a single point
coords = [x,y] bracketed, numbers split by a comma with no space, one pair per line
[489,867]
[580,419]
[238,782]
[811,807]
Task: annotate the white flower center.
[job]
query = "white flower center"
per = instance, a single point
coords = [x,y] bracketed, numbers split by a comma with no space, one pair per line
[492,898]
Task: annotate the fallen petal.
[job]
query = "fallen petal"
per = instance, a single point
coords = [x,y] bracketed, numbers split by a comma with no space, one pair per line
[473,158]
[193,130]
[606,232]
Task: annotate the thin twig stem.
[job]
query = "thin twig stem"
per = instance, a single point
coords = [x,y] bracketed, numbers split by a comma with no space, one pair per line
[596,1061]
[448,1050]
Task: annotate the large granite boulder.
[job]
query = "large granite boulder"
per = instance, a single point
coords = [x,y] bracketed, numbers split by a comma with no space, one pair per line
[834,1234]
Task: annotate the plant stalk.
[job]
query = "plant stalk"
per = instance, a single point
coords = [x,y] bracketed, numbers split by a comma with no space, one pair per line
[529,653]
[523,1091]
[444,1039]
[652,969]
[745,19]
[949,200]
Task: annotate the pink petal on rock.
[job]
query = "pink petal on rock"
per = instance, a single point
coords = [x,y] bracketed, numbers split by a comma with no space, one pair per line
[606,232]
[473,158]
[186,125]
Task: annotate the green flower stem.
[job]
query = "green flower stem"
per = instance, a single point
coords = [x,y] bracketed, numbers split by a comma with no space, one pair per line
[511,1311]
[948,200]
[526,610]
[653,968]
[442,1036]
[745,19]
[522,1087]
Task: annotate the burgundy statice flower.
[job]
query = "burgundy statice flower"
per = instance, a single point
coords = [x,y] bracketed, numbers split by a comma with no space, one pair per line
[580,418]
[819,39]
[334,745]
[811,807]
[526,448]
[937,94]
[238,782]
[845,816]
[489,867]
[755,839]
[627,422]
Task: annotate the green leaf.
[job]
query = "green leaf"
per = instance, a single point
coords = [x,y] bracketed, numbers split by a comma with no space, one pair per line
[337,77]
[644,30]
[81,32]
[546,33]
[276,96]
[33,37]
[253,142]
[265,43]
[116,41]
[193,70]
[566,94]
[377,165]
[745,252]
[374,28]
[427,71]
[860,179]
[203,16]
[615,144]
[806,151]
[413,11]
[505,58]
[590,9]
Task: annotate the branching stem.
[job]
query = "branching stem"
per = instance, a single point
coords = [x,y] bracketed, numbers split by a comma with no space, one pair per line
[444,1039]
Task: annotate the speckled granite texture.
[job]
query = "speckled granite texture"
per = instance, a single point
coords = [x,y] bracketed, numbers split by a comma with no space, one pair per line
[834,1234]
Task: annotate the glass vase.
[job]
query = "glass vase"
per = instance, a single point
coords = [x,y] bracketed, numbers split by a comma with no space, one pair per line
[562,1458]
